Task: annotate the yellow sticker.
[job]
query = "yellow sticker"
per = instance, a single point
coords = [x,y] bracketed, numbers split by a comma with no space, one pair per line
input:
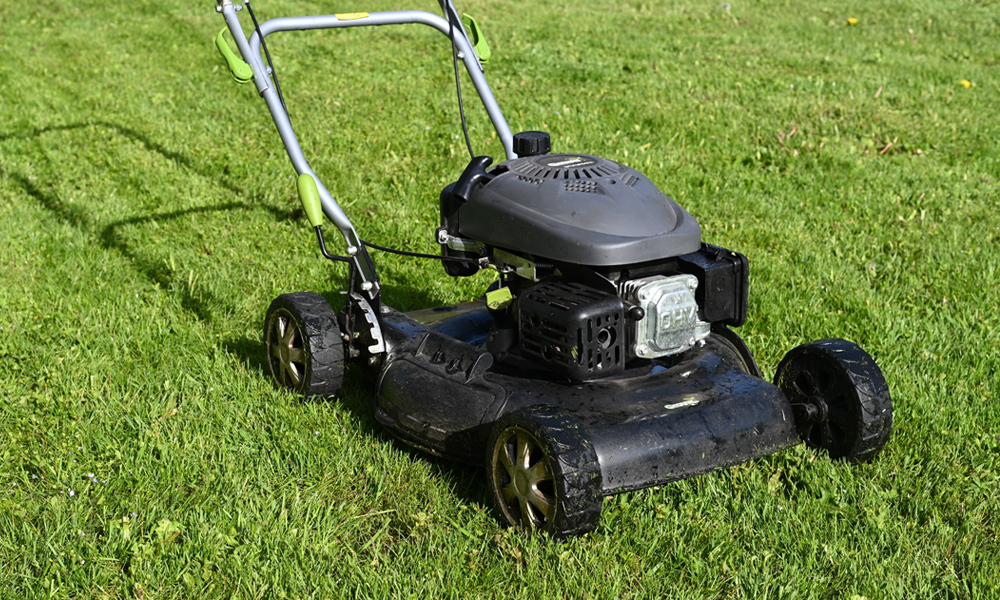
[350,16]
[499,298]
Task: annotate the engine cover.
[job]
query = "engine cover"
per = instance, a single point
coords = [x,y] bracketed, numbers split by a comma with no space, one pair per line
[579,209]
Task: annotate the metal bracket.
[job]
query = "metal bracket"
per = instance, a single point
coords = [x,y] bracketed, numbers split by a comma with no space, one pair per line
[375,341]
[507,262]
[460,244]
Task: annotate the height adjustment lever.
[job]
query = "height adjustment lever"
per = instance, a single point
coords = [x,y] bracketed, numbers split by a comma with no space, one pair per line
[240,70]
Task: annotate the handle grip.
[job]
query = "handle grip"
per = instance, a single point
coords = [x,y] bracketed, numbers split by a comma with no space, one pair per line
[474,173]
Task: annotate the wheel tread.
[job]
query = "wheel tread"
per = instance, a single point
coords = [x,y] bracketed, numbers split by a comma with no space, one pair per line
[871,392]
[323,345]
[578,476]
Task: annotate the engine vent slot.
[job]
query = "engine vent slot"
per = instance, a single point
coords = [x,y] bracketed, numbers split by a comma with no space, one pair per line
[575,330]
[567,167]
[589,187]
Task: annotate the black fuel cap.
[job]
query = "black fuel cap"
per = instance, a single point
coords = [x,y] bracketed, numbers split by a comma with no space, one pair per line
[532,143]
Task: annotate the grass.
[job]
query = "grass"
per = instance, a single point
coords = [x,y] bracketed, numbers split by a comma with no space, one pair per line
[147,218]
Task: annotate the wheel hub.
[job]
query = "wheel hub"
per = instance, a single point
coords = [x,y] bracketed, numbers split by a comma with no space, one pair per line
[521,483]
[813,410]
[517,455]
[285,350]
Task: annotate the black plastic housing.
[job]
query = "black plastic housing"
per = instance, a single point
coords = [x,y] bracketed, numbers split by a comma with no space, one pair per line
[659,421]
[723,283]
[449,222]
[575,330]
[569,208]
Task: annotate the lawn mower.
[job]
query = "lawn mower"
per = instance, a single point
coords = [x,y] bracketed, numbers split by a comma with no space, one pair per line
[602,360]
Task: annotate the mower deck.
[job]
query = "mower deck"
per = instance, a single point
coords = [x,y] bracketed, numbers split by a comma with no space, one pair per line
[668,419]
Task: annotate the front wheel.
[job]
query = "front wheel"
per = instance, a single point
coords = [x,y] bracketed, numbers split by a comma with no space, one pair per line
[839,397]
[544,474]
[305,349]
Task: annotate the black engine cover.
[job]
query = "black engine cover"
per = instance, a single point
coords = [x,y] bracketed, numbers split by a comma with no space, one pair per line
[578,209]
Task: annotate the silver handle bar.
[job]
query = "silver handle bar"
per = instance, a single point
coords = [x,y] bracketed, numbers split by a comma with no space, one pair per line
[250,50]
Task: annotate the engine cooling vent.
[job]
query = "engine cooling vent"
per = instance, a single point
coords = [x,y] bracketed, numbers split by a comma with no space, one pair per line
[573,329]
[565,166]
[588,187]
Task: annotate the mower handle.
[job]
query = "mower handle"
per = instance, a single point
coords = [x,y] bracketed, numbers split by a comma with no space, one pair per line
[402,17]
[250,51]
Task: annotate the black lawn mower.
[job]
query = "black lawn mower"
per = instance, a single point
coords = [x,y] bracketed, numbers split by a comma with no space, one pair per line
[603,360]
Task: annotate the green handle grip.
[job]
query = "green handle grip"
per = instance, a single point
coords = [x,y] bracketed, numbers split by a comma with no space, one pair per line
[309,195]
[241,71]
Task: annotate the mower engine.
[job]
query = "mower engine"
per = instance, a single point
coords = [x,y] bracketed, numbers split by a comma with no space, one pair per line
[598,267]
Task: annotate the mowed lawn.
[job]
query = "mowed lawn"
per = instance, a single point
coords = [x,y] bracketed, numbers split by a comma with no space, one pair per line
[148,216]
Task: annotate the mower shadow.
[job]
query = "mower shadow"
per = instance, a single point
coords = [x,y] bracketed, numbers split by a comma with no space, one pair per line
[109,236]
[205,306]
[358,392]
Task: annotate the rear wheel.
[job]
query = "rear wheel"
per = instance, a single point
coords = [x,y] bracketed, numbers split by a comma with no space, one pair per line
[305,349]
[839,397]
[544,474]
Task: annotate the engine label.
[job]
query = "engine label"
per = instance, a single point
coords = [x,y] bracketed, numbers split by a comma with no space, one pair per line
[678,318]
[567,162]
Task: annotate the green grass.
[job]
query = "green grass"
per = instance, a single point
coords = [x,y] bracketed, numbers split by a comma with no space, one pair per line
[147,218]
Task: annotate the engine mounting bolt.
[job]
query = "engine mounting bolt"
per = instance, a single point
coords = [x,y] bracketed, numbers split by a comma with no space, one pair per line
[642,349]
[692,284]
[366,286]
[384,309]
[352,250]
